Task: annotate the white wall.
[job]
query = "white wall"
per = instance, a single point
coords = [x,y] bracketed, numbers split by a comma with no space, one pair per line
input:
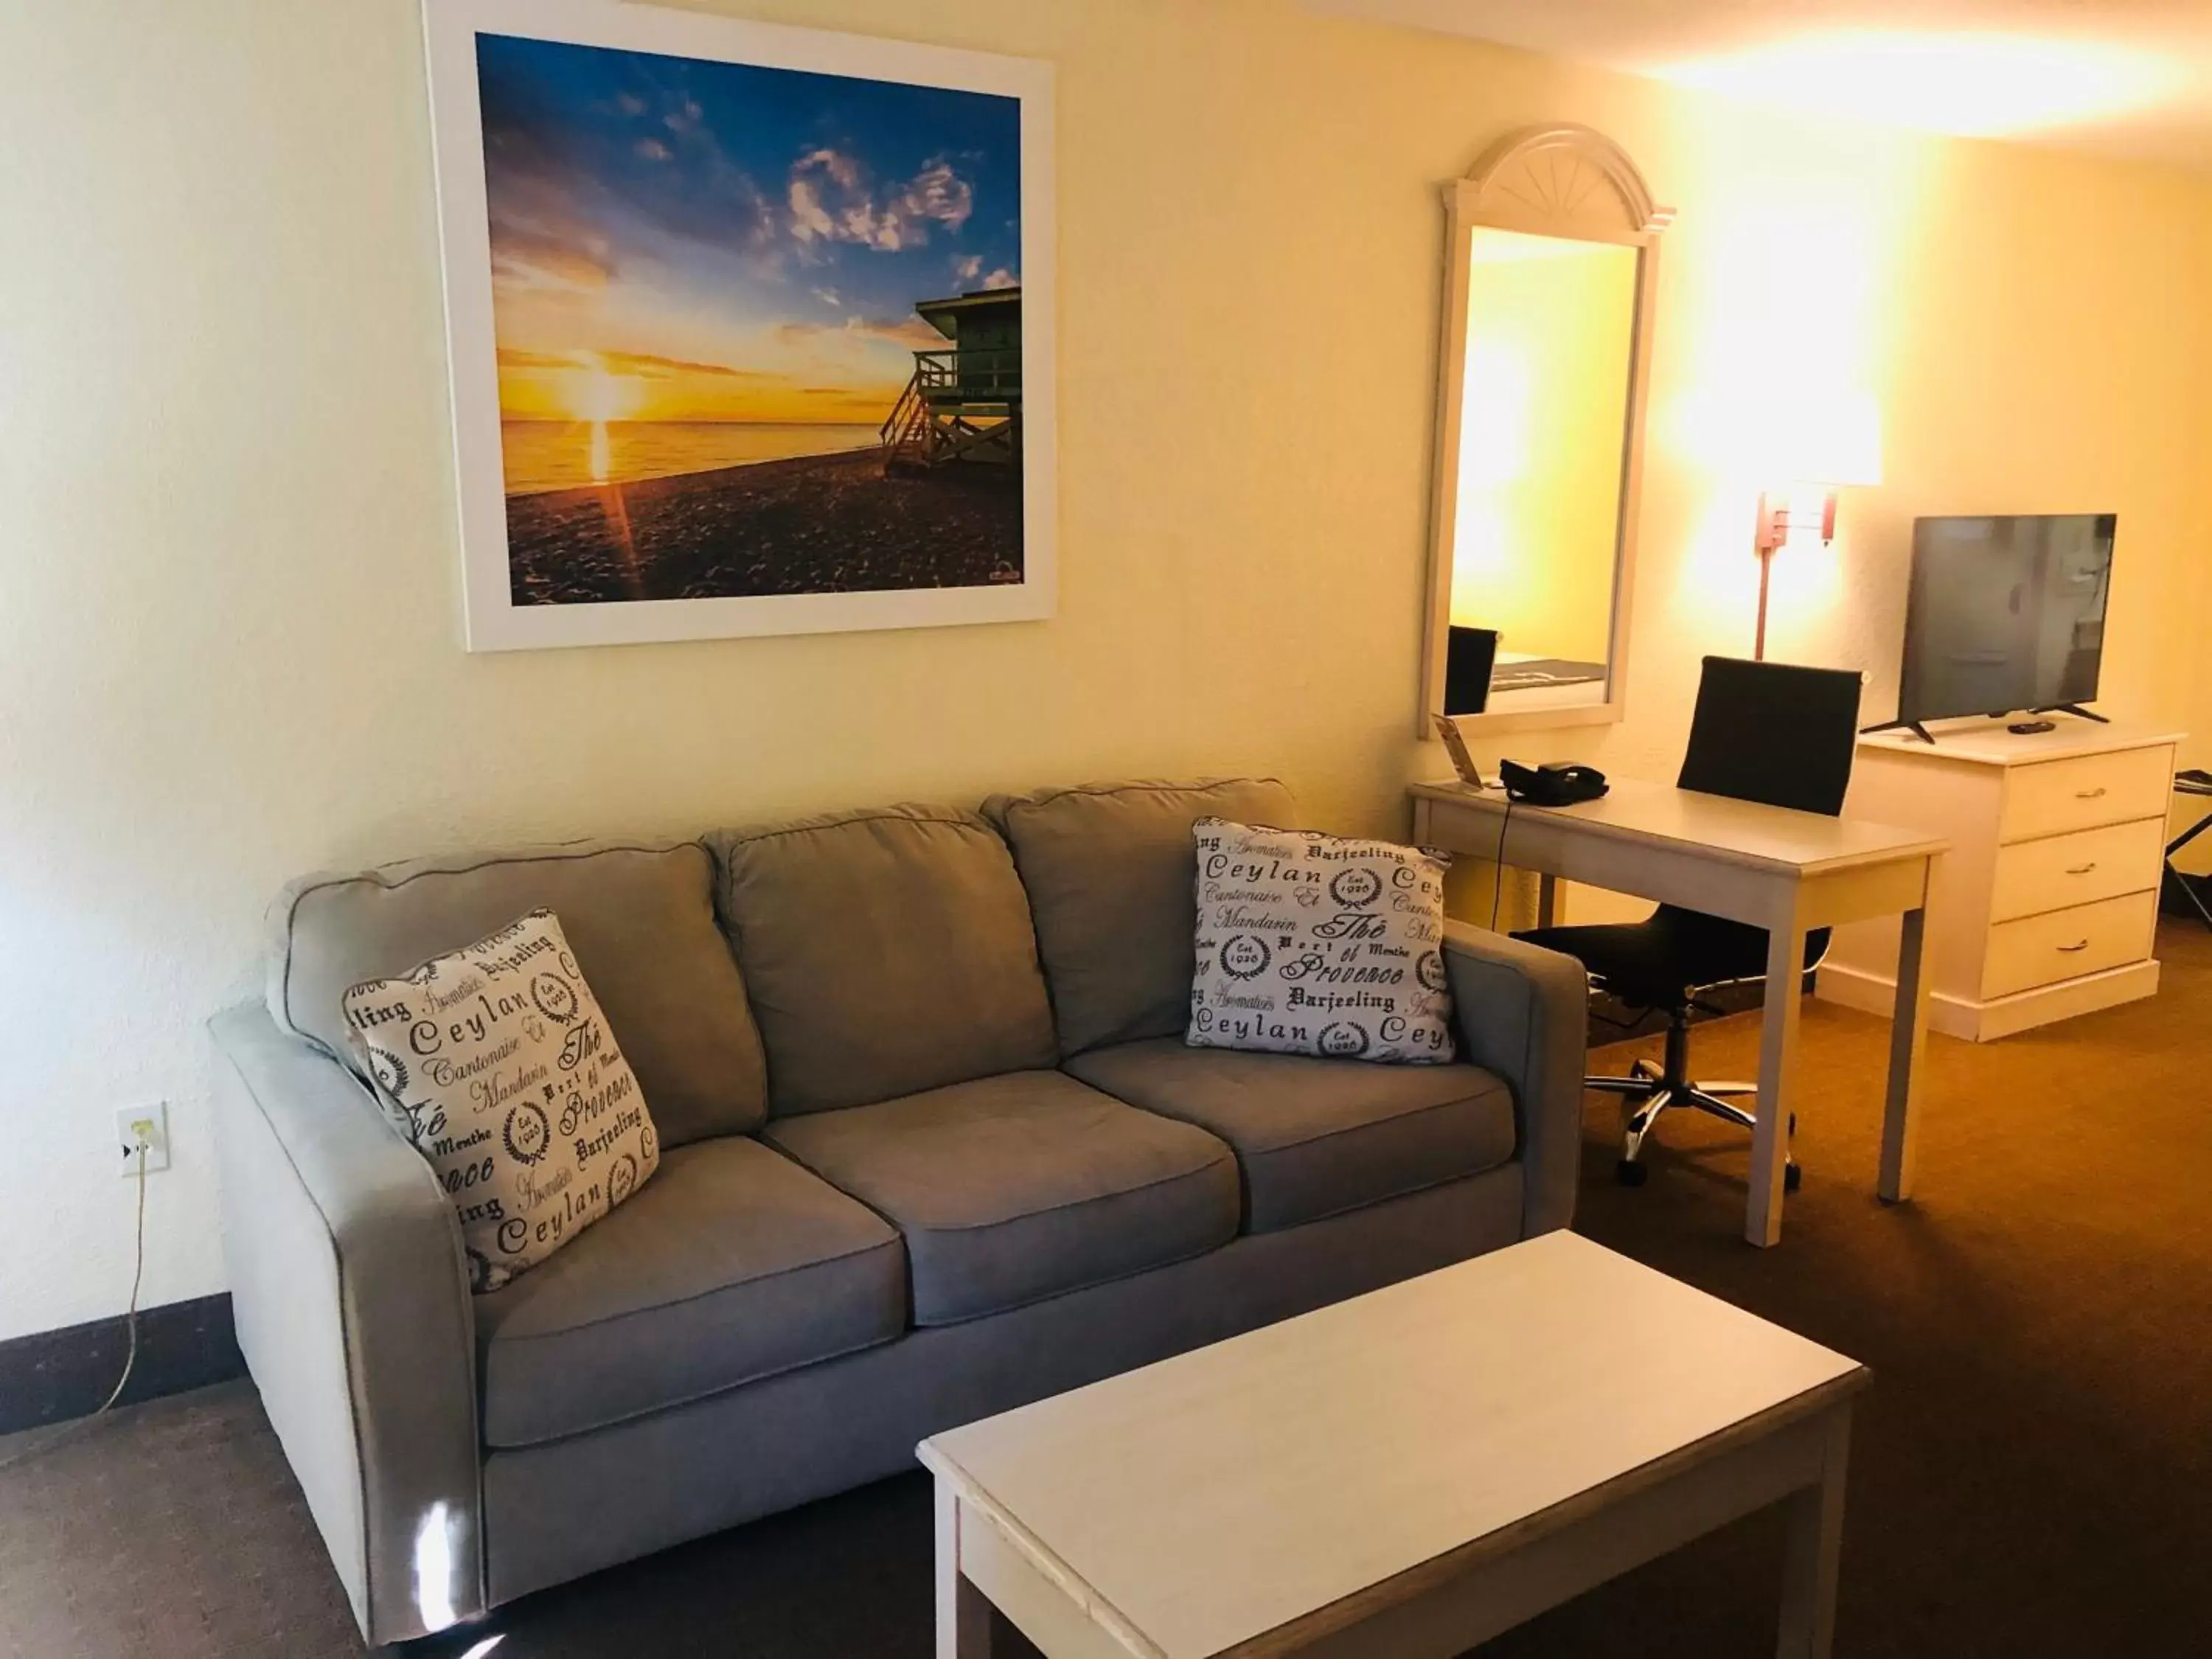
[229,634]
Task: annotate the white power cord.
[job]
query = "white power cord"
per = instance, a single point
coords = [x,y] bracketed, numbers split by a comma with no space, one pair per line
[131,1357]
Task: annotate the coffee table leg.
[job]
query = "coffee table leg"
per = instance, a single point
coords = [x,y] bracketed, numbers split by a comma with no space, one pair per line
[963,1613]
[1816,1536]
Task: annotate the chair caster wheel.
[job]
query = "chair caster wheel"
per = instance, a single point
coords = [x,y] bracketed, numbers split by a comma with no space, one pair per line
[1630,1173]
[1793,1177]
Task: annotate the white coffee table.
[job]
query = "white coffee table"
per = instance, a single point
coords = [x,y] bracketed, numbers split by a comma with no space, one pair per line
[1406,1474]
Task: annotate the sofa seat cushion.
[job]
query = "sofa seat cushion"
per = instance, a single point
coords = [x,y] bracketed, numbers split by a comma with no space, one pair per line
[884,952]
[1110,872]
[1317,1137]
[731,1263]
[1015,1188]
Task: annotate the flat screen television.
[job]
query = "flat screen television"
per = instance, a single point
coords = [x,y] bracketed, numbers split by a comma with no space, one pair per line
[2005,614]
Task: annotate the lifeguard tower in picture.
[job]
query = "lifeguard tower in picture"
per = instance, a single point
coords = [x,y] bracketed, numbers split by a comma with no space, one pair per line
[965,403]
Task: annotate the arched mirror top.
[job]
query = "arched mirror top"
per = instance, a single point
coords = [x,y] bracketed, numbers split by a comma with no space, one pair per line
[1551,267]
[1564,180]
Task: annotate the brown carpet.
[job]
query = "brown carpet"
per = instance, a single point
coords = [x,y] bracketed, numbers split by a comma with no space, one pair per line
[2031,1471]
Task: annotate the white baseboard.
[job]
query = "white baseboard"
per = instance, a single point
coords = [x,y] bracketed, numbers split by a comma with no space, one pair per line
[1983,1021]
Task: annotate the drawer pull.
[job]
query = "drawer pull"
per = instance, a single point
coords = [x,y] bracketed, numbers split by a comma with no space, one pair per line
[2089,794]
[2071,949]
[2081,869]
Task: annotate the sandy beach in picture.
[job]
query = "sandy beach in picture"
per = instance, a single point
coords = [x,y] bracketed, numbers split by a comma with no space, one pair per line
[816,524]
[759,331]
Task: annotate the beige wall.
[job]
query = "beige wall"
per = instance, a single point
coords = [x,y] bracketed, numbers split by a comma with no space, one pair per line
[229,615]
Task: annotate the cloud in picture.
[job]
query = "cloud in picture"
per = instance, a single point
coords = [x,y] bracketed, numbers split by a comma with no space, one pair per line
[691,240]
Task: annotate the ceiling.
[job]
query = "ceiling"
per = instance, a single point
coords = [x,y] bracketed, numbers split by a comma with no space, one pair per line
[2125,78]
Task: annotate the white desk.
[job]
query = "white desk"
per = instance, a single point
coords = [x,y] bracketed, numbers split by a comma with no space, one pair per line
[1788,873]
[1406,1474]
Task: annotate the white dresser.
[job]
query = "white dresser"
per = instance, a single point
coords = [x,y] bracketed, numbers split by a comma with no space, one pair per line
[2047,903]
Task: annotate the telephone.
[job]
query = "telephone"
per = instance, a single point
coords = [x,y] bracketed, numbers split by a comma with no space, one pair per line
[1556,783]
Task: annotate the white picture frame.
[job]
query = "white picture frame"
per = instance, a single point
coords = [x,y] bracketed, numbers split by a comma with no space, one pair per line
[495,620]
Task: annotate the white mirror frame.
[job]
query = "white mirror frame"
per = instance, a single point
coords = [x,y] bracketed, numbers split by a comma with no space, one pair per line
[1572,182]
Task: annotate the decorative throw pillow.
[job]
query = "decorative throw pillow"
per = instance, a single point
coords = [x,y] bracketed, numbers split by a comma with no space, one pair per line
[1312,945]
[496,1063]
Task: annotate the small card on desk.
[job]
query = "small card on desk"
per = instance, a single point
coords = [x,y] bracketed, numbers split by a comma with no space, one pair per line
[1455,746]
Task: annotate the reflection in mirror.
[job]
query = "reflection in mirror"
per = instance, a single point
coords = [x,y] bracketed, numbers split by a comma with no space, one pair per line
[1550,326]
[1552,265]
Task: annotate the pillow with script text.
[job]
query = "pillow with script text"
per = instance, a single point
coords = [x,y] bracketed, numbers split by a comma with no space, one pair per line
[498,1065]
[1313,945]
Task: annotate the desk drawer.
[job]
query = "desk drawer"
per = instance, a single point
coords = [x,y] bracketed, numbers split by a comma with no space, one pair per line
[2087,939]
[2060,871]
[2053,796]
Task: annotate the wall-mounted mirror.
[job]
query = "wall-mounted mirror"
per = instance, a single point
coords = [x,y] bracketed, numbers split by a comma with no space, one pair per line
[1552,263]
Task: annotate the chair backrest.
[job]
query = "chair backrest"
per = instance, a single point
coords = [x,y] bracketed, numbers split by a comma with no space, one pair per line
[1773,733]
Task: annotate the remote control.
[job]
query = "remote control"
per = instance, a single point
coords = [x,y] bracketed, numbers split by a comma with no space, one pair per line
[2029,728]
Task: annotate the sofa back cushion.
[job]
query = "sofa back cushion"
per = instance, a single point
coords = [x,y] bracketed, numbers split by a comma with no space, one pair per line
[1110,875]
[640,919]
[885,951]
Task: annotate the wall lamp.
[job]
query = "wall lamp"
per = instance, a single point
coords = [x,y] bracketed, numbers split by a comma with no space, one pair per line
[1834,444]
[1792,509]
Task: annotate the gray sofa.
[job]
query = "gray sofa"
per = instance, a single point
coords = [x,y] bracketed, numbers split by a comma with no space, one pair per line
[934,1148]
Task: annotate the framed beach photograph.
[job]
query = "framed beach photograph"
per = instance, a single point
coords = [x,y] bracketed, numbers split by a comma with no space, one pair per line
[750,326]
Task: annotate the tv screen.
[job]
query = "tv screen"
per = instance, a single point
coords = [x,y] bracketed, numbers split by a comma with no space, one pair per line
[2005,613]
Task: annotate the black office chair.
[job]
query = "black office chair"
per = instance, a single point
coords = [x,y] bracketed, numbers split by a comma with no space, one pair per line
[2197,784]
[1763,732]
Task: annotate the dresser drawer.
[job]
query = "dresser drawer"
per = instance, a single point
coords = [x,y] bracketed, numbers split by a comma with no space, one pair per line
[2052,797]
[2059,871]
[2087,939]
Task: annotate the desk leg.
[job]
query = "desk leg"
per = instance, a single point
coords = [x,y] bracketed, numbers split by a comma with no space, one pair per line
[1547,901]
[963,1613]
[1908,1038]
[1778,1068]
[1816,1547]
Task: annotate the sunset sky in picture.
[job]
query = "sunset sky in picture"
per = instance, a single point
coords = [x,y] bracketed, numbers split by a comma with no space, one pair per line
[681,240]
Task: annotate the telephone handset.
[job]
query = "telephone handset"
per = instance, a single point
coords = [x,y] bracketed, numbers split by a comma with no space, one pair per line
[1556,783]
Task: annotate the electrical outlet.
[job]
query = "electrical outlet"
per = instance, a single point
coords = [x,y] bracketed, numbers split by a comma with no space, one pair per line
[154,1115]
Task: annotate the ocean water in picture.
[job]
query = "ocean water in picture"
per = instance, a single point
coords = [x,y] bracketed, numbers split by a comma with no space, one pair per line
[542,455]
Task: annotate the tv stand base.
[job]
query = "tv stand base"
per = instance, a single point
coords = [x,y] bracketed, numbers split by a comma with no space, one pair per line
[1913,726]
[1871,987]
[1921,732]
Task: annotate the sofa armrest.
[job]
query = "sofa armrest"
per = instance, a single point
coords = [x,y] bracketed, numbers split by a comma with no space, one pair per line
[1524,1013]
[351,1297]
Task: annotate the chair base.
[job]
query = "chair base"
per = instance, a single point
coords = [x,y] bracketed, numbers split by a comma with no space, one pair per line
[2196,900]
[1649,1090]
